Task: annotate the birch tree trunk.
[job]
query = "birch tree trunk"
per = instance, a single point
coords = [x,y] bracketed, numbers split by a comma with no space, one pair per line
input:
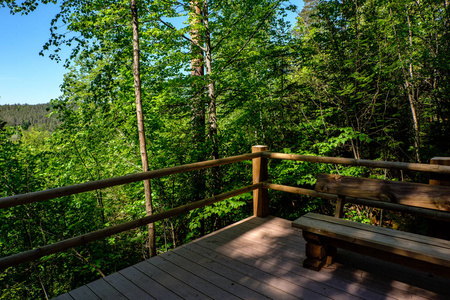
[408,85]
[412,92]
[212,115]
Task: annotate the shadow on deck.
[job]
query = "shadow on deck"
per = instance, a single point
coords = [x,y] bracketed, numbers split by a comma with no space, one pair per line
[260,258]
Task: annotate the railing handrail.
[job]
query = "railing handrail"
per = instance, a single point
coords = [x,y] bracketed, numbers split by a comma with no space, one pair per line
[440,169]
[104,183]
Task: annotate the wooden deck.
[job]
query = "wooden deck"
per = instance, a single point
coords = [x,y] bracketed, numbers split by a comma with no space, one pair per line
[260,258]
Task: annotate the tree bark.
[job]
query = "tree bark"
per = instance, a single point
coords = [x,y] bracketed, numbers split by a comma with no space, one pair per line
[212,115]
[141,128]
[408,86]
[198,107]
[197,69]
[411,93]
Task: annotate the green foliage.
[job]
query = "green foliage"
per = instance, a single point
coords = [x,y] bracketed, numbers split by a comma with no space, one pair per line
[337,85]
[357,214]
[38,116]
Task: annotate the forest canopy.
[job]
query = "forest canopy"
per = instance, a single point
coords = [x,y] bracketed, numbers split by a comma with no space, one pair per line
[26,115]
[362,79]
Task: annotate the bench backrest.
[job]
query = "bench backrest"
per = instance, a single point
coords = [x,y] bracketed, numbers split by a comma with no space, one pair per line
[406,193]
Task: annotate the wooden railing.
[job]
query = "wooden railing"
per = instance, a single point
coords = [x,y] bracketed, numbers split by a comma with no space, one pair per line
[259,157]
[418,211]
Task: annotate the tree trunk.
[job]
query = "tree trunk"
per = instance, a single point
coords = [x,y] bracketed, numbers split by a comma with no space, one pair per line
[411,93]
[408,86]
[140,120]
[198,109]
[212,116]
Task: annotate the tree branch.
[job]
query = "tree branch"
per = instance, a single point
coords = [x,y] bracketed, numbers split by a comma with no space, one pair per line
[174,29]
[231,60]
[229,30]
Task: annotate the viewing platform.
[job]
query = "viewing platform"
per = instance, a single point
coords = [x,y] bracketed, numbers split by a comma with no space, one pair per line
[260,258]
[263,257]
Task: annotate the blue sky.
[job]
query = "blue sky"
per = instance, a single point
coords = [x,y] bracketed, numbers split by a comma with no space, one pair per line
[26,77]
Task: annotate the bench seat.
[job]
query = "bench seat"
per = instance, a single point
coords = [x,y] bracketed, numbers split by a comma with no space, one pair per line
[324,234]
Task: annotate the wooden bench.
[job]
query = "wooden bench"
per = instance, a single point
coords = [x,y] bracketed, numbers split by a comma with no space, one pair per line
[324,234]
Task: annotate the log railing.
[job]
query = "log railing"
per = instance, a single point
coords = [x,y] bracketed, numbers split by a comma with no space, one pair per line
[434,168]
[106,232]
[100,184]
[260,157]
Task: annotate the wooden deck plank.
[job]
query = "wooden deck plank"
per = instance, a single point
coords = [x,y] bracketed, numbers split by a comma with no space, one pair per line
[171,283]
[63,297]
[83,293]
[203,271]
[387,277]
[126,287]
[304,286]
[147,284]
[233,272]
[270,234]
[104,290]
[255,253]
[281,283]
[345,271]
[272,239]
[294,265]
[385,288]
[261,258]
[191,279]
[271,222]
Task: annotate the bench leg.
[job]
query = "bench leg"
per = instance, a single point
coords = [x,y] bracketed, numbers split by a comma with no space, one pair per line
[331,254]
[318,253]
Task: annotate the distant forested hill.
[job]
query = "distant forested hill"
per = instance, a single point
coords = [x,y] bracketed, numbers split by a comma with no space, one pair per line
[27,115]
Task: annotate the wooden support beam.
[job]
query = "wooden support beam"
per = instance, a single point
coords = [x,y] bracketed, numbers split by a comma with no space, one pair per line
[339,213]
[260,174]
[418,211]
[318,252]
[406,193]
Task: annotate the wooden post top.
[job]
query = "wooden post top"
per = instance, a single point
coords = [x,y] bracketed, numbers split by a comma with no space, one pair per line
[259,148]
[440,179]
[440,161]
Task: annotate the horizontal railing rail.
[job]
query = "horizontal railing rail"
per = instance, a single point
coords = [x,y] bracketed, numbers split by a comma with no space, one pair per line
[106,232]
[104,183]
[439,169]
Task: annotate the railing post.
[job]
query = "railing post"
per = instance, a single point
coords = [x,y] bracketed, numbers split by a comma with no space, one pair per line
[260,196]
[440,179]
[439,229]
